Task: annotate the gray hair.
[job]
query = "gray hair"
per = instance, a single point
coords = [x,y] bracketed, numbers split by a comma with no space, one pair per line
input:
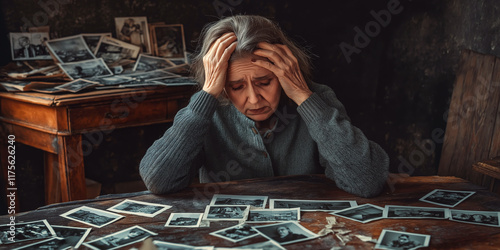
[249,30]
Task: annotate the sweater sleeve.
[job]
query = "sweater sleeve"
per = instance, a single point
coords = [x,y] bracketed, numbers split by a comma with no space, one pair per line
[171,162]
[356,164]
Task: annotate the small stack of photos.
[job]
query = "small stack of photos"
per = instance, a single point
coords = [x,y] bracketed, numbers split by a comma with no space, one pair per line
[98,60]
[278,225]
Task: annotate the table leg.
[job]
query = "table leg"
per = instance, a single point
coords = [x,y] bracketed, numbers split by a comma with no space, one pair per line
[64,172]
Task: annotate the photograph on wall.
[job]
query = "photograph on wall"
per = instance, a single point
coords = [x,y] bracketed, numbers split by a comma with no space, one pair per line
[116,52]
[226,212]
[148,63]
[312,205]
[70,49]
[229,199]
[236,233]
[92,216]
[92,40]
[134,30]
[273,215]
[26,231]
[485,218]
[74,236]
[121,238]
[286,232]
[88,69]
[390,239]
[364,213]
[410,212]
[448,198]
[184,220]
[169,42]
[29,46]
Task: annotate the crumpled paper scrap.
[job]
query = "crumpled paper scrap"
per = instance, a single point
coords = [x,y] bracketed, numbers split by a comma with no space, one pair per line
[333,227]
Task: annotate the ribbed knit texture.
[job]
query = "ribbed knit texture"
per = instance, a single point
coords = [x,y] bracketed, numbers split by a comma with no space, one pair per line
[222,143]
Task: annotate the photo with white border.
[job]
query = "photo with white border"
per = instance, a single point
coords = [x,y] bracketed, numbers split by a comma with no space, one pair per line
[89,69]
[77,85]
[312,205]
[286,232]
[134,30]
[273,215]
[390,239]
[121,238]
[52,243]
[29,46]
[236,233]
[148,63]
[184,220]
[70,49]
[169,42]
[229,199]
[485,218]
[74,236]
[448,198]
[163,245]
[140,208]
[92,216]
[92,39]
[226,212]
[25,231]
[116,52]
[410,212]
[362,213]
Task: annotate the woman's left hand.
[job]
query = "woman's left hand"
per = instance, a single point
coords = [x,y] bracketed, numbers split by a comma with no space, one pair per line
[286,67]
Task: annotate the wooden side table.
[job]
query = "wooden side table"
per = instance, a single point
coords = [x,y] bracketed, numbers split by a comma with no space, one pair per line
[56,124]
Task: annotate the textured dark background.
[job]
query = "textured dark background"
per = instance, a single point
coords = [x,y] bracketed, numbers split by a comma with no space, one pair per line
[397,89]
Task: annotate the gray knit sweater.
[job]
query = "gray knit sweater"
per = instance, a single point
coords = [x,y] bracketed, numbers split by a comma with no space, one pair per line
[223,144]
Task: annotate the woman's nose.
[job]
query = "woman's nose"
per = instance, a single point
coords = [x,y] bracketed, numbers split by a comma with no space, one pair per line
[253,95]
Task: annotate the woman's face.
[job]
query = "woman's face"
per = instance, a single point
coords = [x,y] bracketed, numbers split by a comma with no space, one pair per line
[253,90]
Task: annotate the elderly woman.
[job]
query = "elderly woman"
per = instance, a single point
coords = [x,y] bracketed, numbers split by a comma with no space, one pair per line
[259,115]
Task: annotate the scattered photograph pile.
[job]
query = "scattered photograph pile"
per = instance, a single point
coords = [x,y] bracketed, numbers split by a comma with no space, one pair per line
[270,227]
[89,61]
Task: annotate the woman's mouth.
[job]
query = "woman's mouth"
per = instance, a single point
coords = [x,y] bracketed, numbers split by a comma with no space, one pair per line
[257,111]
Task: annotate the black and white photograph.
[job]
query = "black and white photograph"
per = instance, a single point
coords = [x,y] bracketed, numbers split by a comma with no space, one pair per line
[92,216]
[175,81]
[485,218]
[120,239]
[229,199]
[77,85]
[409,212]
[52,243]
[390,239]
[163,245]
[89,69]
[29,46]
[70,49]
[363,213]
[226,212]
[184,220]
[266,245]
[169,41]
[152,75]
[273,215]
[112,80]
[92,40]
[236,233]
[141,208]
[134,30]
[312,205]
[73,236]
[116,52]
[148,63]
[25,231]
[447,198]
[286,232]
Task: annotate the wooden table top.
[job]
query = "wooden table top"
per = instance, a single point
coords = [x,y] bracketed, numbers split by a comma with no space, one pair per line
[445,234]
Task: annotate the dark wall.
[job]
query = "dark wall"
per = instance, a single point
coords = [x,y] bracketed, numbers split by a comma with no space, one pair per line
[395,79]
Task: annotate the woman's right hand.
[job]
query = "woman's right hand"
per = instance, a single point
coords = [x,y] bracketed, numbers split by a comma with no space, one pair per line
[216,62]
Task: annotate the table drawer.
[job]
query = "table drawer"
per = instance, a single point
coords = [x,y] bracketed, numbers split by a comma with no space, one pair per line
[117,114]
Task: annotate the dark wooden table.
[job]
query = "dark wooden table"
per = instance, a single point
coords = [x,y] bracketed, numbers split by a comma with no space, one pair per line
[445,234]
[56,123]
